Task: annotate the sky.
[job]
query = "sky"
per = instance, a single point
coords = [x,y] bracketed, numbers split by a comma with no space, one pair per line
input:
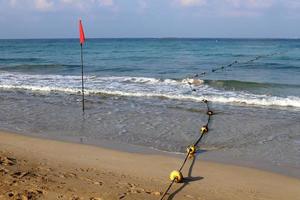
[150,18]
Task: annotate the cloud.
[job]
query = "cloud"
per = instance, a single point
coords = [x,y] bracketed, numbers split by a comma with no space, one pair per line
[188,3]
[255,4]
[250,3]
[292,4]
[142,6]
[230,8]
[106,2]
[43,5]
[40,5]
[260,3]
[236,13]
[89,2]
[13,3]
[71,1]
[246,8]
[77,4]
[85,5]
[50,5]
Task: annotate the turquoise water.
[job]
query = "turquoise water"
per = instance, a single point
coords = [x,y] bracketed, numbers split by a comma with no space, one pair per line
[158,67]
[138,93]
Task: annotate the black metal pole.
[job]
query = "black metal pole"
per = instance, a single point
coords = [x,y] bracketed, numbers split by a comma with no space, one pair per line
[82,83]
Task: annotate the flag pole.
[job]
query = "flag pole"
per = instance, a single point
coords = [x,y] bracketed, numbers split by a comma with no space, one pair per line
[81,39]
[82,82]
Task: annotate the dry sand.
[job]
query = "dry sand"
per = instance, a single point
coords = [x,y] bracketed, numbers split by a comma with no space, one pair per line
[32,168]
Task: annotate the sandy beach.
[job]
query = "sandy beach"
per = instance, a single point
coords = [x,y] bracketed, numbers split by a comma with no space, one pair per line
[33,168]
[149,100]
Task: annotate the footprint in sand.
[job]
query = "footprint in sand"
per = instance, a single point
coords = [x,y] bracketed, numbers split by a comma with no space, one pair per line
[8,161]
[97,183]
[26,195]
[4,171]
[134,189]
[20,174]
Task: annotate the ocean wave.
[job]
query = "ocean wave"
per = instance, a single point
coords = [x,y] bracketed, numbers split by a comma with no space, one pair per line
[234,84]
[29,67]
[141,87]
[19,59]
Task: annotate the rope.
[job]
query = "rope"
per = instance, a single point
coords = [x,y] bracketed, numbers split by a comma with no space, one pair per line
[176,176]
[204,129]
[167,190]
[232,64]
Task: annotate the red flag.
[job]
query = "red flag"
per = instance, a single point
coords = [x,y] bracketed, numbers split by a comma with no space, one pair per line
[81,32]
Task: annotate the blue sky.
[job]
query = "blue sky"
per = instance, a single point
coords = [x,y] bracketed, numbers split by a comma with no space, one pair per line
[150,18]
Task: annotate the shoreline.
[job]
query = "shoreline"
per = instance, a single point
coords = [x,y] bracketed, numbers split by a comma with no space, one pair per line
[52,169]
[268,141]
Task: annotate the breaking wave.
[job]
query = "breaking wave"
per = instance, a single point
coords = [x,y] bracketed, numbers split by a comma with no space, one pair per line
[144,87]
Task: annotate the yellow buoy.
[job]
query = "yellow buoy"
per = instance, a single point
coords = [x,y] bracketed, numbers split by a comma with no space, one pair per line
[204,129]
[191,150]
[176,176]
[191,156]
[210,112]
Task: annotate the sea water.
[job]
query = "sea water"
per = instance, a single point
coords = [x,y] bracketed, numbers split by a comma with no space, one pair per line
[137,92]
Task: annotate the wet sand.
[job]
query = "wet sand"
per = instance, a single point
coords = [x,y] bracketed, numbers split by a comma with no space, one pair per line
[263,138]
[32,168]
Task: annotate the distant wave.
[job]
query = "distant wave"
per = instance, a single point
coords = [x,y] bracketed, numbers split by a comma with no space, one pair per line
[275,66]
[142,87]
[23,67]
[228,84]
[19,59]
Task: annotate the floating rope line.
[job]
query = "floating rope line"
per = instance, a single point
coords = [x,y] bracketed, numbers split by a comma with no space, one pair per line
[221,68]
[176,175]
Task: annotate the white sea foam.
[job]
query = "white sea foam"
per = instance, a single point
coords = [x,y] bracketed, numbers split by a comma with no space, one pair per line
[138,87]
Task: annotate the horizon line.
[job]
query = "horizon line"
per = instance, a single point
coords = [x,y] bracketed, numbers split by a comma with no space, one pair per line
[249,38]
